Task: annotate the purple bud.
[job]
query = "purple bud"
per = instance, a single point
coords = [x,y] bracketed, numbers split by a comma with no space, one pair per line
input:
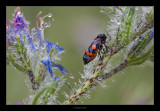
[19,21]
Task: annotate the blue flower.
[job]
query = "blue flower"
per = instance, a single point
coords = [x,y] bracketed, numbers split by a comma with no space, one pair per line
[19,21]
[56,78]
[50,64]
[13,33]
[61,68]
[49,47]
[31,43]
[59,48]
[20,30]
[8,34]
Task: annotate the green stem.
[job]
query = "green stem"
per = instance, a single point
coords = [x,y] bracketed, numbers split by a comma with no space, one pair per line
[39,94]
[83,89]
[141,59]
[38,76]
[50,89]
[124,34]
[20,47]
[114,71]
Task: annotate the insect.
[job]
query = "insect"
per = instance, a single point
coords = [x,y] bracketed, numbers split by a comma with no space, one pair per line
[94,48]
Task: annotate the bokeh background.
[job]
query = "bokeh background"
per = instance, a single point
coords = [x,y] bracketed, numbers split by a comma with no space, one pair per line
[74,28]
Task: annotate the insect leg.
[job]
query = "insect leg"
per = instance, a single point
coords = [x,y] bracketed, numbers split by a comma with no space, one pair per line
[99,52]
[68,85]
[106,47]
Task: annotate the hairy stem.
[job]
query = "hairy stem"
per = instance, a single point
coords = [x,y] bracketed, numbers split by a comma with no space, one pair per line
[120,67]
[88,83]
[32,79]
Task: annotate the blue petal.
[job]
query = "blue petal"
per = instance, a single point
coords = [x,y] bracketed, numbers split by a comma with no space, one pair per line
[20,23]
[59,48]
[49,47]
[50,64]
[56,78]
[9,33]
[14,38]
[142,35]
[31,43]
[47,63]
[61,68]
[21,39]
[151,35]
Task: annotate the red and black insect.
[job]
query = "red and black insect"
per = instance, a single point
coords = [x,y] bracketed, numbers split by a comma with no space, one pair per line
[94,48]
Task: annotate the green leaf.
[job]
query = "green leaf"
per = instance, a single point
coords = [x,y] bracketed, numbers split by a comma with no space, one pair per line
[124,12]
[11,58]
[141,59]
[36,97]
[123,36]
[140,46]
[50,89]
[23,56]
[20,46]
[150,16]
[151,56]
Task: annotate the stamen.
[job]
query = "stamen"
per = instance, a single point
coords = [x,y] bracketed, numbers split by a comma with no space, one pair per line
[37,21]
[40,25]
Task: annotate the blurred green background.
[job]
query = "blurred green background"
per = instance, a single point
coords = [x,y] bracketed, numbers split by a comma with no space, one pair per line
[74,28]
